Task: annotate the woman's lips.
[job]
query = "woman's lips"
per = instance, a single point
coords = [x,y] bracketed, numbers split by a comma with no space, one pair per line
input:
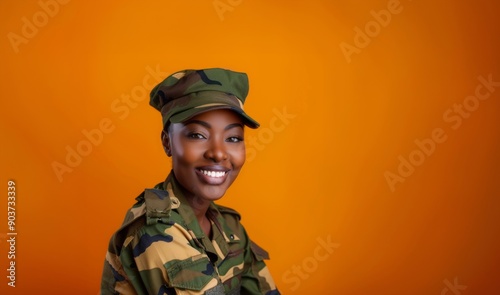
[212,175]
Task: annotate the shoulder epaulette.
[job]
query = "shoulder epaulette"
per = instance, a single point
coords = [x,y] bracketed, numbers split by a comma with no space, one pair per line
[154,203]
[227,210]
[158,206]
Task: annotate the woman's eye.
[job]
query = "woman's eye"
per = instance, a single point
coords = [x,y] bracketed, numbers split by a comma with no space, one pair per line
[196,135]
[235,139]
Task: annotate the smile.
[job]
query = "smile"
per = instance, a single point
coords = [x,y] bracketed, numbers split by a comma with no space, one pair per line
[213,175]
[216,174]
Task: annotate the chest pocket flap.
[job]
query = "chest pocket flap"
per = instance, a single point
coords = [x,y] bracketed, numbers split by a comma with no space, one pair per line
[193,273]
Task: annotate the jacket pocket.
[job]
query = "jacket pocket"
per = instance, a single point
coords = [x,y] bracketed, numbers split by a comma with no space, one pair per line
[193,273]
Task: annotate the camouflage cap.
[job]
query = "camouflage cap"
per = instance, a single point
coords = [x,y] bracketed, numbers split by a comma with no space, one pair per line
[188,93]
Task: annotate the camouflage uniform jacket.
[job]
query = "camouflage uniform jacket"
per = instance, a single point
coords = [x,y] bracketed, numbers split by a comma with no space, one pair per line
[161,249]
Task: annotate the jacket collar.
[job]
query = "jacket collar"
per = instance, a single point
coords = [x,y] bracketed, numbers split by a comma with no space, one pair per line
[182,206]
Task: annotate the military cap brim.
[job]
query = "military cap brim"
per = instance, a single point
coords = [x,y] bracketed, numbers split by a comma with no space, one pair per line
[212,100]
[185,94]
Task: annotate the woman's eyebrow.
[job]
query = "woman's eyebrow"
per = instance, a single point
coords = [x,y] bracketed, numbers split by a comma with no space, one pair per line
[234,125]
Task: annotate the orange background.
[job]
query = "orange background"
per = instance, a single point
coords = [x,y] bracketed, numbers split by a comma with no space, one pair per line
[319,176]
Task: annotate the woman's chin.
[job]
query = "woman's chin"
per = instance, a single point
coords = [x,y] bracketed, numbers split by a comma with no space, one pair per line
[213,193]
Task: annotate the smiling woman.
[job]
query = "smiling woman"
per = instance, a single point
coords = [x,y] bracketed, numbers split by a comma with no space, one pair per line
[175,239]
[207,153]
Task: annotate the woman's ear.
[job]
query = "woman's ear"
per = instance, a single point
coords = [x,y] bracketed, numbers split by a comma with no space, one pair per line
[165,140]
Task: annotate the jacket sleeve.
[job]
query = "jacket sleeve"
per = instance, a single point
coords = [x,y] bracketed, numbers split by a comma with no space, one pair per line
[108,281]
[115,279]
[117,275]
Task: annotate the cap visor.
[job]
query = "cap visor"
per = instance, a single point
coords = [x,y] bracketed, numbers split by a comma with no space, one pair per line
[188,114]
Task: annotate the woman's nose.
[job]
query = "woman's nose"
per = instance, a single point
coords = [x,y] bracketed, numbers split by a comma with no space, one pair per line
[216,151]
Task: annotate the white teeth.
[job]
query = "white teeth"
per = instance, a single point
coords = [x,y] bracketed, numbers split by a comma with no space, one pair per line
[213,173]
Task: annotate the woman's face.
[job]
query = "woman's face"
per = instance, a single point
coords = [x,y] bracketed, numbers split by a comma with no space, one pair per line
[207,152]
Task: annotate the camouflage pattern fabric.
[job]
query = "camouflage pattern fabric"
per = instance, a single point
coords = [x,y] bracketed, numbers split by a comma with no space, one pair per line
[161,249]
[187,93]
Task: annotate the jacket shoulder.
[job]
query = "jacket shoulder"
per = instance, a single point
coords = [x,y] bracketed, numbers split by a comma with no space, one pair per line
[158,205]
[154,203]
[153,206]
[228,211]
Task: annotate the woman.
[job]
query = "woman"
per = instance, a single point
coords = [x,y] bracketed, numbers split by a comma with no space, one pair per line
[175,239]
